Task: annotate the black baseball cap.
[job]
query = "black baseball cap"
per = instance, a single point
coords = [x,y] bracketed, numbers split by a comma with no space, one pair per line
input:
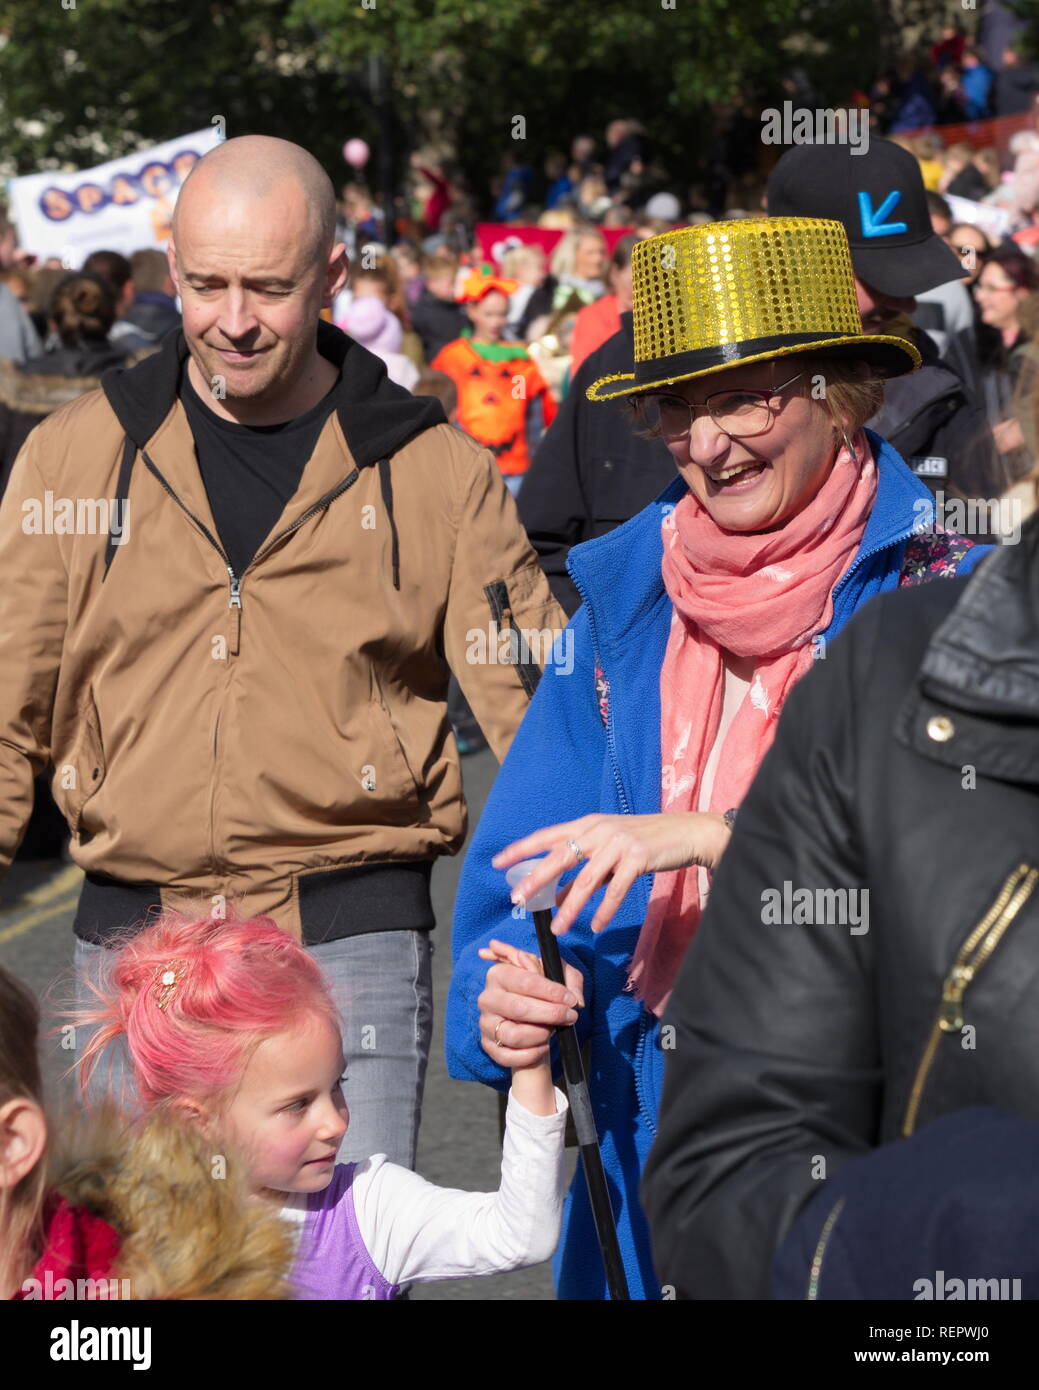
[879,196]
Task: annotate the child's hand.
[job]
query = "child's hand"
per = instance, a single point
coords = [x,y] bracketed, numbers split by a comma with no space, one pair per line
[531,1069]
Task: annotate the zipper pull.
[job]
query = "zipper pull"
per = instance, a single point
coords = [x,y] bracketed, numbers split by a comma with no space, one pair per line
[235,606]
[951,1018]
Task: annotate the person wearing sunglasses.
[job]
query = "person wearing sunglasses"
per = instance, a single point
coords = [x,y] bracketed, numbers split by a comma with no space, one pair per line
[698,617]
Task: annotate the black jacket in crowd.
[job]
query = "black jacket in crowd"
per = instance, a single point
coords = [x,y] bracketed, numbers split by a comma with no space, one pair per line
[437,322]
[30,390]
[153,313]
[906,764]
[591,470]
[1016,89]
[937,423]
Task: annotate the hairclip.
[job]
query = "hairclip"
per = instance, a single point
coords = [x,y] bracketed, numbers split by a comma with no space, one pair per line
[167,983]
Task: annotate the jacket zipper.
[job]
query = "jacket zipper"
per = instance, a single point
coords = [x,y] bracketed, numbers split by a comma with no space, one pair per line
[646,1019]
[234,603]
[868,555]
[235,600]
[815,1273]
[610,743]
[973,954]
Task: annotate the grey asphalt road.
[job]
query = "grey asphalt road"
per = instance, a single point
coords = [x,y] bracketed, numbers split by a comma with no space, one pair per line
[458,1140]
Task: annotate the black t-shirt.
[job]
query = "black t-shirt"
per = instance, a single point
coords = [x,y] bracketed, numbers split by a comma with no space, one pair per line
[250,472]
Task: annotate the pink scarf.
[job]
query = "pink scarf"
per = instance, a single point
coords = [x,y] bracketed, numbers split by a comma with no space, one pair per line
[762,595]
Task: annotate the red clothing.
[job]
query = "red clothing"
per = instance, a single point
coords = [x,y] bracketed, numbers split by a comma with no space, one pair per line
[490,406]
[438,201]
[77,1245]
[592,326]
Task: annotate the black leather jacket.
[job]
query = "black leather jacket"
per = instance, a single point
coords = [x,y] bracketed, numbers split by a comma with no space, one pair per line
[906,763]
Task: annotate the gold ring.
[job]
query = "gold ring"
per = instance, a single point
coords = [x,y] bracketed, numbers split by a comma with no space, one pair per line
[497,1039]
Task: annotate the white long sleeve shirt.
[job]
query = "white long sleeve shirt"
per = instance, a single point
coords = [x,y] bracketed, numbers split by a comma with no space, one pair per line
[415,1232]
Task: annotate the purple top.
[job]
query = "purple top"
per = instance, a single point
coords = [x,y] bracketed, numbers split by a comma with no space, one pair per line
[333,1261]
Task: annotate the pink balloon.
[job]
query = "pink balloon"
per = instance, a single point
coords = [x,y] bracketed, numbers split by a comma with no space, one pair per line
[356,153]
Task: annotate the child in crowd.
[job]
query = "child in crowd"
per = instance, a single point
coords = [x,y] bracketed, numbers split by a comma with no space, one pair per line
[115,1210]
[229,1024]
[369,322]
[436,315]
[497,381]
[437,384]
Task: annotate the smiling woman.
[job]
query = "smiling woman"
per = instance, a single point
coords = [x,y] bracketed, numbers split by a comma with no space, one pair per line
[699,616]
[753,419]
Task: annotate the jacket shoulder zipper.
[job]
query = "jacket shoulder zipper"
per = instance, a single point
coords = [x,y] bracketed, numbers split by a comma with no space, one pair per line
[972,956]
[815,1273]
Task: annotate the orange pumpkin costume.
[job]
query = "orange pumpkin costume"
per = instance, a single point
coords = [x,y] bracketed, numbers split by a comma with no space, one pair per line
[493,398]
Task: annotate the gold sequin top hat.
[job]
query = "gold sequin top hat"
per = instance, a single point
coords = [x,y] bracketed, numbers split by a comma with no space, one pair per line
[707,298]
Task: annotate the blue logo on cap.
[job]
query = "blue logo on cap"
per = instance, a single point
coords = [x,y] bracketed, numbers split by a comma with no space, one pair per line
[873,223]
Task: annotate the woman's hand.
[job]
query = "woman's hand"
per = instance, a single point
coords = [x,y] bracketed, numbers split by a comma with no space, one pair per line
[618,849]
[508,1004]
[520,1009]
[1009,436]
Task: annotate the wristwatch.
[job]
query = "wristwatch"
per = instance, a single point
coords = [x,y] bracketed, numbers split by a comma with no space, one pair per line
[729,817]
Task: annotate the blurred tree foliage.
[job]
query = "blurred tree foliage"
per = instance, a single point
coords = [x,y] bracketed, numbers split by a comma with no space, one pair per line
[1027,43]
[81,84]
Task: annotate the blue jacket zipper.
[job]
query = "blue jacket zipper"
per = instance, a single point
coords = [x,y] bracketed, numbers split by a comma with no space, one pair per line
[646,1018]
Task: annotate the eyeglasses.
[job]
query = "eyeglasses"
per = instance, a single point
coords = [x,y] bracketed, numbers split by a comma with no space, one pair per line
[740,413]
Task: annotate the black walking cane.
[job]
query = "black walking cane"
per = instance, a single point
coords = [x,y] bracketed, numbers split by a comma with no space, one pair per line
[540,905]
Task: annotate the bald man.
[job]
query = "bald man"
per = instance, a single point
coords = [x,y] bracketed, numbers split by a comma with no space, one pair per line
[233,584]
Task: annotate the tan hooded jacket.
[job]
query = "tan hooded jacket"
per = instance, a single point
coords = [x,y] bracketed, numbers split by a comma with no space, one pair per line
[229,735]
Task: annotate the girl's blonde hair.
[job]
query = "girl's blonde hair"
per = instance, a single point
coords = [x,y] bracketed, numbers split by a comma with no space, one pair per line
[21,1207]
[518,257]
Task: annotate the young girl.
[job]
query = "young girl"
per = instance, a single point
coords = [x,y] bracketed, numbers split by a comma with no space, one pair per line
[115,1210]
[229,1023]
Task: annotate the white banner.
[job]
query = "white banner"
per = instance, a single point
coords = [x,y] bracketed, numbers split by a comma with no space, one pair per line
[994,221]
[124,205]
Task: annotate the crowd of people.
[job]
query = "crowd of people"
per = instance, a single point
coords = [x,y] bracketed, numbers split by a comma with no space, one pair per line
[779,460]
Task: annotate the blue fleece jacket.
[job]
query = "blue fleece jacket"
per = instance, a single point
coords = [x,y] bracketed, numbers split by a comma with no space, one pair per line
[563,764]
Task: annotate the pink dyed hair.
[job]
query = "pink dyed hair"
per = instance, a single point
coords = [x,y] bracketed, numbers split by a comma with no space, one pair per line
[242,982]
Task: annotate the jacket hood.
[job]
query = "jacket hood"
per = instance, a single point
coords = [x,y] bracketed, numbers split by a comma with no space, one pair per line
[377,417]
[187,1230]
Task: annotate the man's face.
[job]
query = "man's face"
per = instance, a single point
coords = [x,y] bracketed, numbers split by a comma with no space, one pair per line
[251,288]
[879,310]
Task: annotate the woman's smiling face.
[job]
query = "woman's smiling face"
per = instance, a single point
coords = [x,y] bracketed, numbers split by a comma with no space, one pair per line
[757,484]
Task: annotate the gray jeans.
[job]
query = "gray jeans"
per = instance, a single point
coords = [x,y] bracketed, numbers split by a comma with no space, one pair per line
[382,986]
